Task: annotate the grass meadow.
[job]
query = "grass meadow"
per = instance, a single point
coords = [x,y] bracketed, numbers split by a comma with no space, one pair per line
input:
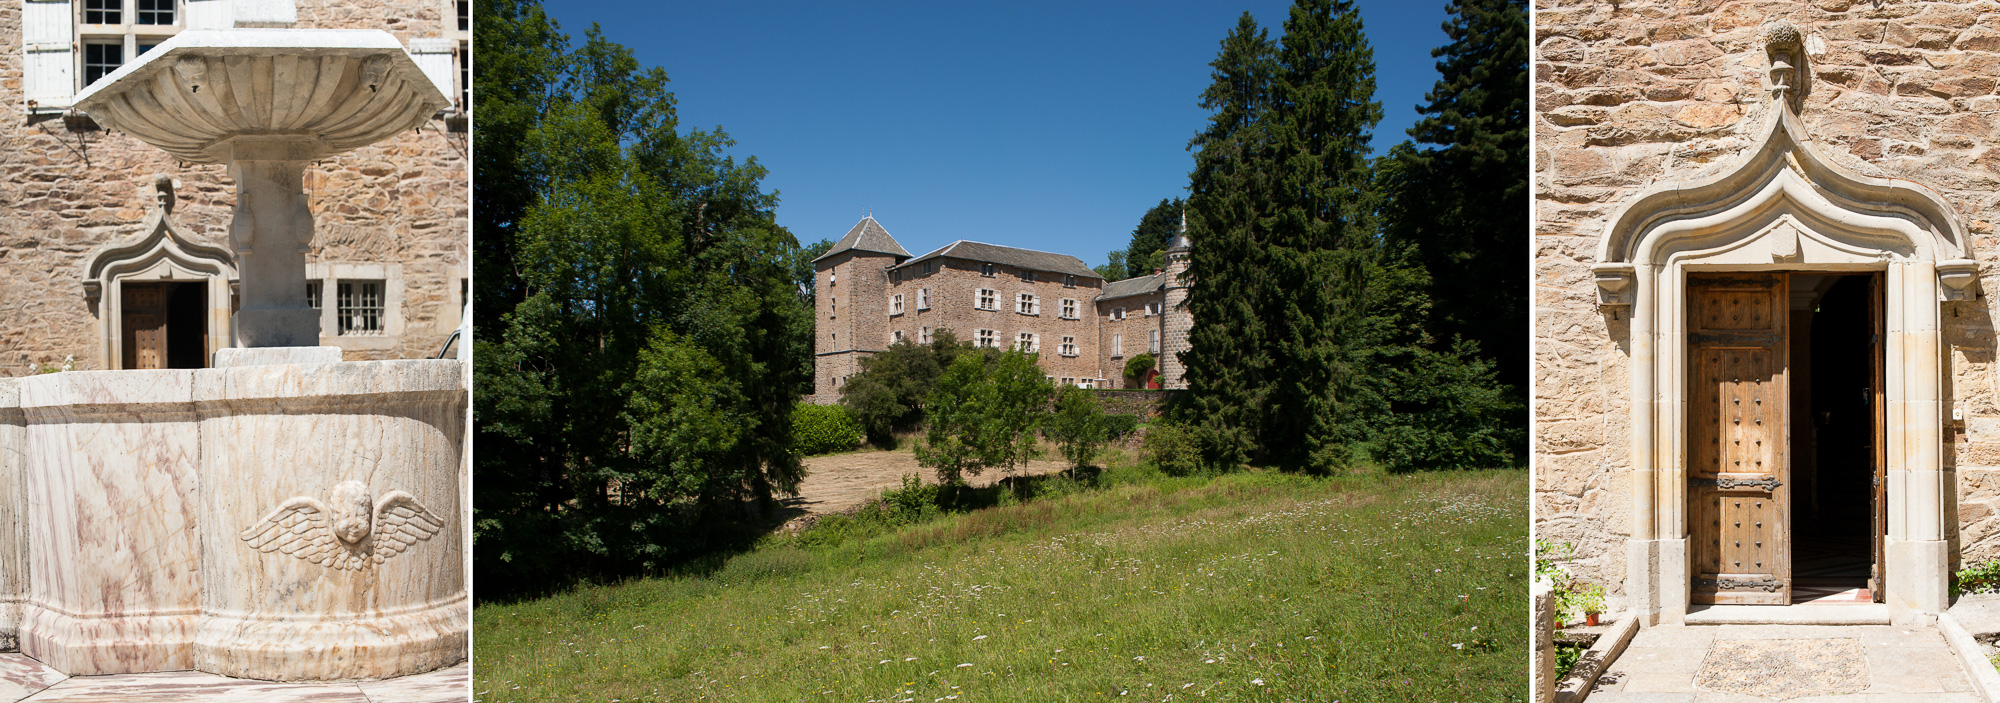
[1254,586]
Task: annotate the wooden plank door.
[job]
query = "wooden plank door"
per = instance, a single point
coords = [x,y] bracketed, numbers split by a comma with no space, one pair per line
[145,325]
[1737,421]
[1878,443]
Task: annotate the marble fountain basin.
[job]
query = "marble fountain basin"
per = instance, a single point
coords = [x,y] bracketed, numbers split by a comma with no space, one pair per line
[203,95]
[284,522]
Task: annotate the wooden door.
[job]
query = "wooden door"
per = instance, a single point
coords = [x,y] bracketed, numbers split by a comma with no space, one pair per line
[1877,444]
[1737,422]
[145,325]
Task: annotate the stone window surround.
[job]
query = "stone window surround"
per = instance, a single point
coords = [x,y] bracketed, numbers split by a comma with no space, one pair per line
[986,299]
[1153,341]
[923,298]
[1027,304]
[1068,347]
[129,33]
[330,275]
[896,304]
[1117,346]
[1801,214]
[1068,309]
[1028,341]
[923,335]
[987,338]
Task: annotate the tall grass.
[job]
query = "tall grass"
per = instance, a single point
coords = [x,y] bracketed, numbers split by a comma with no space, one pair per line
[1252,586]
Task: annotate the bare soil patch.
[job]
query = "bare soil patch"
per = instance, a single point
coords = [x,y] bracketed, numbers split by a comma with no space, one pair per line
[847,481]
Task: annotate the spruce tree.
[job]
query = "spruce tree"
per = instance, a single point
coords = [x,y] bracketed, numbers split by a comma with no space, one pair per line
[1227,362]
[1460,206]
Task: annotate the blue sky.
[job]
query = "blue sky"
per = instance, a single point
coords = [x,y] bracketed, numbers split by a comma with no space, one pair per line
[1044,125]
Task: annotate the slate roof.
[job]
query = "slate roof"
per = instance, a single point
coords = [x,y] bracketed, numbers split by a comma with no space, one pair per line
[867,235]
[1134,286]
[1011,256]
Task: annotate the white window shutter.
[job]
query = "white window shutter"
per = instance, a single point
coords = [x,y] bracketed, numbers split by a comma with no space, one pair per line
[49,53]
[208,14]
[433,56]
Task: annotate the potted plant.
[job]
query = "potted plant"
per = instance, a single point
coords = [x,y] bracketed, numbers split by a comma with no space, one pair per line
[1590,600]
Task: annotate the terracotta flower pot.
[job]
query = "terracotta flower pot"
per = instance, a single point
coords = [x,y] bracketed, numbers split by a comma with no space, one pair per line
[1590,619]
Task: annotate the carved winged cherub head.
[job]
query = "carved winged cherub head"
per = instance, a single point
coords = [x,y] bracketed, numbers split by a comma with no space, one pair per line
[353,512]
[350,531]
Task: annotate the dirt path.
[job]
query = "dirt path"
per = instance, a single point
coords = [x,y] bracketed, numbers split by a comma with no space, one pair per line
[843,481]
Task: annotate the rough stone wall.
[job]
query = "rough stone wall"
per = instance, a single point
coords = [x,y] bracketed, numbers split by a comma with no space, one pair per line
[954,286]
[1632,93]
[1174,329]
[1134,331]
[405,201]
[851,318]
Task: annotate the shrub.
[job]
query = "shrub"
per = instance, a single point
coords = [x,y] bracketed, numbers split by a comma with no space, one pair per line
[1983,577]
[1119,426]
[1077,426]
[890,391]
[1171,448]
[914,502]
[823,429]
[1136,367]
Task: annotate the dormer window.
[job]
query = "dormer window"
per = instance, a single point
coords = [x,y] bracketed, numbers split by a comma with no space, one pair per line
[1069,281]
[1027,277]
[986,270]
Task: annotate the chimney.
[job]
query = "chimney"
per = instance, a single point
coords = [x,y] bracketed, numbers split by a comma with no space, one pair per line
[1156,272]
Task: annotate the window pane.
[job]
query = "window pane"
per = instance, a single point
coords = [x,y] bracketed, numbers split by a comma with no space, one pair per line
[464,15]
[156,12]
[103,11]
[101,59]
[312,294]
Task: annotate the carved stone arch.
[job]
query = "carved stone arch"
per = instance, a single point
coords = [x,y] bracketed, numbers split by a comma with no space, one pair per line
[1784,208]
[160,251]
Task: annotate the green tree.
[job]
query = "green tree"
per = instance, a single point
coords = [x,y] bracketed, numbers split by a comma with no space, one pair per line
[1077,426]
[892,387]
[1228,363]
[1458,203]
[642,335]
[1137,366]
[1113,268]
[1280,204]
[984,414]
[1149,243]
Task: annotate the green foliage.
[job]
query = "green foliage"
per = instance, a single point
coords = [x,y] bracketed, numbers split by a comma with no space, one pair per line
[1983,577]
[1173,449]
[1113,268]
[641,334]
[1567,654]
[1118,426]
[1078,426]
[1549,558]
[823,429]
[1137,366]
[983,414]
[892,387]
[1279,209]
[1458,205]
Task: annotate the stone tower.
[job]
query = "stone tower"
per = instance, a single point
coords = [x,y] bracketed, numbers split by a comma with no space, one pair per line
[1175,320]
[853,282]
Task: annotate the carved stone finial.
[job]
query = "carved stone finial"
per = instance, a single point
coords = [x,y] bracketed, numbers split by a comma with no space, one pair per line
[163,193]
[1786,48]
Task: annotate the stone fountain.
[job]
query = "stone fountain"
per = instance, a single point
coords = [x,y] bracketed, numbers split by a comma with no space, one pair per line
[283,515]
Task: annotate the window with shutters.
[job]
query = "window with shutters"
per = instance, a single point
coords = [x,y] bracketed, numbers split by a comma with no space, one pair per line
[923,335]
[1069,308]
[1153,341]
[989,299]
[1068,347]
[896,337]
[988,338]
[923,298]
[896,304]
[1028,304]
[1026,342]
[1117,345]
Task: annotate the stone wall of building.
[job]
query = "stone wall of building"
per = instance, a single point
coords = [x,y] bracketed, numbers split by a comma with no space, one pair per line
[1631,94]
[1134,333]
[851,317]
[954,286]
[404,201]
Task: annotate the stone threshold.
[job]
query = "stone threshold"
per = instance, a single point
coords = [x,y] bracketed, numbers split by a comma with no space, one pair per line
[1798,614]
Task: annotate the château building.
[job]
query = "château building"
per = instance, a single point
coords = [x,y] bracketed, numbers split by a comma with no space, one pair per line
[872,293]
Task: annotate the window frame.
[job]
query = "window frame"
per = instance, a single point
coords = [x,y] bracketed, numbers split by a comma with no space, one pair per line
[987,339]
[896,305]
[923,298]
[1028,304]
[128,34]
[987,299]
[1068,309]
[986,270]
[1067,347]
[1117,346]
[1028,342]
[1153,342]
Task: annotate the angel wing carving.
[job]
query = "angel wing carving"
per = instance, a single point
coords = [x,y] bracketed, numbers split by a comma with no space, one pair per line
[350,534]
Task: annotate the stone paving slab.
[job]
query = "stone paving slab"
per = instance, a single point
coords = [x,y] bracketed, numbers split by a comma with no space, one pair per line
[24,680]
[1790,663]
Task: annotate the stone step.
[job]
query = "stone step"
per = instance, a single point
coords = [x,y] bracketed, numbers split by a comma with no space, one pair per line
[1804,614]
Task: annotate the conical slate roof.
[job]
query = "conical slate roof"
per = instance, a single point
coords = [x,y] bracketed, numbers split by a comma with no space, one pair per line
[867,235]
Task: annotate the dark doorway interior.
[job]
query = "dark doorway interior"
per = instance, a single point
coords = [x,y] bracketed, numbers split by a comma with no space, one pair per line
[187,326]
[1833,514]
